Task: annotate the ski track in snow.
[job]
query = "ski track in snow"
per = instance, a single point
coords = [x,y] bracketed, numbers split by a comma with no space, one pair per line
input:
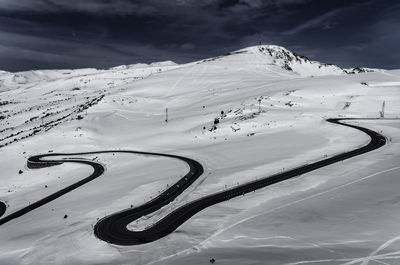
[372,256]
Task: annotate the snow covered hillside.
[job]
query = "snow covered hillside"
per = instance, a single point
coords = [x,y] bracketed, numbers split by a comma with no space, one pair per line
[244,115]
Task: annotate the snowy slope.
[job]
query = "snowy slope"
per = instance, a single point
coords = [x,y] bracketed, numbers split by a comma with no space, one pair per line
[277,56]
[270,105]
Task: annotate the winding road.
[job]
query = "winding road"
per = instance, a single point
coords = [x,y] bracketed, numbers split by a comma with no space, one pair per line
[113,228]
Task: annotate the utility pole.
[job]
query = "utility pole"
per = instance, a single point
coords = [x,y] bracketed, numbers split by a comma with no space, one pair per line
[166,114]
[382,113]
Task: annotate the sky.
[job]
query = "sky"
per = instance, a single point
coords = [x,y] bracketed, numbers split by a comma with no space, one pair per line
[50,34]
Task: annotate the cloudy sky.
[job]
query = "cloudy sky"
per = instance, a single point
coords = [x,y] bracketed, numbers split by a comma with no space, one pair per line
[40,34]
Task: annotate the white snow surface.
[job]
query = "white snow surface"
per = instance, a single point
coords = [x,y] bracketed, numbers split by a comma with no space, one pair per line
[271,105]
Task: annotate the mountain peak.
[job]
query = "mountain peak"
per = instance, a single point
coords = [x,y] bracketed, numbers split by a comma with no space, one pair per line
[273,55]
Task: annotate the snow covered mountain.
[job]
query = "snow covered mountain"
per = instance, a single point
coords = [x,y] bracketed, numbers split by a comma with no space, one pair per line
[54,96]
[270,57]
[243,115]
[277,56]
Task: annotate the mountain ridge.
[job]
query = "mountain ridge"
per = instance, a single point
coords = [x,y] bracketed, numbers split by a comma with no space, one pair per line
[279,56]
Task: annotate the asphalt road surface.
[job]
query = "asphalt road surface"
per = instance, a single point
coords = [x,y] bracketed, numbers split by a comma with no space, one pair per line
[3,208]
[113,228]
[39,161]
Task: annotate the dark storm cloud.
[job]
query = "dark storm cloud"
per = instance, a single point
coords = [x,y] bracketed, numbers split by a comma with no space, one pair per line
[103,33]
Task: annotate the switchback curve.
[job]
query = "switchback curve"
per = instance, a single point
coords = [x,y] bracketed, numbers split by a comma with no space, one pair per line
[195,170]
[113,228]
